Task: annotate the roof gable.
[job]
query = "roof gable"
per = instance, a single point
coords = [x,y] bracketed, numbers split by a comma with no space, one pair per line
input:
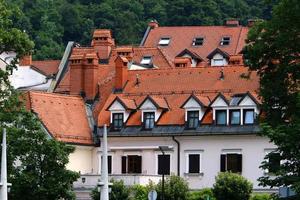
[191,53]
[219,101]
[218,51]
[195,101]
[248,100]
[150,103]
[121,104]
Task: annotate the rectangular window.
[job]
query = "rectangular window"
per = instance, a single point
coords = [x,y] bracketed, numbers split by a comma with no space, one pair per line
[131,164]
[225,41]
[149,120]
[221,117]
[117,121]
[192,119]
[198,41]
[194,163]
[146,60]
[218,62]
[249,116]
[231,162]
[235,117]
[164,164]
[109,163]
[274,161]
[164,41]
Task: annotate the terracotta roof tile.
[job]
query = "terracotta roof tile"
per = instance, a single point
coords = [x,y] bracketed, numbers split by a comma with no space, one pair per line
[48,67]
[63,116]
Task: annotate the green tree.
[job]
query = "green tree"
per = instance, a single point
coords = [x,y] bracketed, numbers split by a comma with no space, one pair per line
[231,186]
[273,50]
[36,163]
[118,191]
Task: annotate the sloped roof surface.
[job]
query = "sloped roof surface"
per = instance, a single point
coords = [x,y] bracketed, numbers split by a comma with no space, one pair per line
[48,67]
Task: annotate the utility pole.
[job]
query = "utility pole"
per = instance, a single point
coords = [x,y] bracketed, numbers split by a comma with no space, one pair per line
[3,188]
[104,170]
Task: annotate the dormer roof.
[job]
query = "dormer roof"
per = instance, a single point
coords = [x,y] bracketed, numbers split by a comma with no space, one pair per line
[159,103]
[127,104]
[191,53]
[218,51]
[201,100]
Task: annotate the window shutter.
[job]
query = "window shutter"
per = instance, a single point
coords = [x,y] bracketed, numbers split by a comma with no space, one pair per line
[239,156]
[223,163]
[109,164]
[124,158]
[139,164]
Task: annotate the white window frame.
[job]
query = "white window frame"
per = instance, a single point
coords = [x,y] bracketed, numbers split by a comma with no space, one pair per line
[194,41]
[146,60]
[189,152]
[164,41]
[222,41]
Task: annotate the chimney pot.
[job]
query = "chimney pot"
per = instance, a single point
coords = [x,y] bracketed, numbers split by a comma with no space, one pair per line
[121,73]
[232,22]
[153,24]
[26,60]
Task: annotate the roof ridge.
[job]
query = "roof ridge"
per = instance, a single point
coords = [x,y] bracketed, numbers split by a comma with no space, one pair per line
[56,95]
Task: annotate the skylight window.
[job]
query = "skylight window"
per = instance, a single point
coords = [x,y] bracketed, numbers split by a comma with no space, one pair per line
[146,60]
[164,41]
[225,41]
[198,41]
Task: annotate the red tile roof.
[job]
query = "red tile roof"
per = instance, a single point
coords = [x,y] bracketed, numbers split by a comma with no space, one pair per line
[48,67]
[182,38]
[63,116]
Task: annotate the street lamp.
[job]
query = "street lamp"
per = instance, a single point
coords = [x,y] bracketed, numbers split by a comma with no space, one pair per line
[163,149]
[4,186]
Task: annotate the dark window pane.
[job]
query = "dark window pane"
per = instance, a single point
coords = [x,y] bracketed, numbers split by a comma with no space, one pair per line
[223,163]
[134,164]
[221,117]
[192,119]
[274,160]
[235,116]
[249,116]
[117,121]
[234,162]
[194,163]
[164,164]
[109,160]
[198,41]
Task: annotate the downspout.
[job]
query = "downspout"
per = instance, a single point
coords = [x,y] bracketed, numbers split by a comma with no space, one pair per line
[178,155]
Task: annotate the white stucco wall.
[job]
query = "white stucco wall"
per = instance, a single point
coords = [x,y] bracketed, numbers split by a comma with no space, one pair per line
[252,147]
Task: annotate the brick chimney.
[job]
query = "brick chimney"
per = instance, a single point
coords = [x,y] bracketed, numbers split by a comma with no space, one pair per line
[84,75]
[121,73]
[103,42]
[26,60]
[153,24]
[232,22]
[76,74]
[126,52]
[90,73]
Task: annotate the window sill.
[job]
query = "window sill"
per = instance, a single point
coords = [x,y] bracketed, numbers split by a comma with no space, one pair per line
[194,174]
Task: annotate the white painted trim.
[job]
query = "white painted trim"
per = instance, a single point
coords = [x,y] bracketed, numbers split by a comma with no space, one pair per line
[231,151]
[187,153]
[137,147]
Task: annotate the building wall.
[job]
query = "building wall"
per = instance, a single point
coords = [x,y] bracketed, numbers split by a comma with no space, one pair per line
[252,149]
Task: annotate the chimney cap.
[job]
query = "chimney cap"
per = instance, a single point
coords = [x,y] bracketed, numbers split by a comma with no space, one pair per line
[153,24]
[232,22]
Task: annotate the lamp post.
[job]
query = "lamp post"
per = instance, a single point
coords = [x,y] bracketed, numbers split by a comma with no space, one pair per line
[3,184]
[104,171]
[163,149]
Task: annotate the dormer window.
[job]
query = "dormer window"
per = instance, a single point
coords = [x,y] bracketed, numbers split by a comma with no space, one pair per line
[221,117]
[248,116]
[225,41]
[117,121]
[198,41]
[164,41]
[192,119]
[146,60]
[149,120]
[235,117]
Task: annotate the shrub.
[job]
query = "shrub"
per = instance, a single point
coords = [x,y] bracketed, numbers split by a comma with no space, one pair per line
[118,191]
[232,186]
[261,197]
[138,192]
[201,194]
[176,188]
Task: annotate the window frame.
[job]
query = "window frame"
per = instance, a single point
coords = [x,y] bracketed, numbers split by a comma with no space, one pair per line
[244,116]
[113,121]
[143,60]
[164,44]
[195,41]
[230,117]
[152,113]
[157,162]
[225,165]
[216,117]
[187,161]
[127,164]
[110,170]
[188,112]
[225,39]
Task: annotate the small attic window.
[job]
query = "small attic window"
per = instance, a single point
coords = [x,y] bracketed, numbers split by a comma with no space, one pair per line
[225,41]
[164,41]
[146,60]
[198,41]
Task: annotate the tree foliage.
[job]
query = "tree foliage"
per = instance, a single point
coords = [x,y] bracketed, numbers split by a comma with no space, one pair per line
[36,163]
[118,191]
[231,186]
[51,24]
[273,50]
[176,188]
